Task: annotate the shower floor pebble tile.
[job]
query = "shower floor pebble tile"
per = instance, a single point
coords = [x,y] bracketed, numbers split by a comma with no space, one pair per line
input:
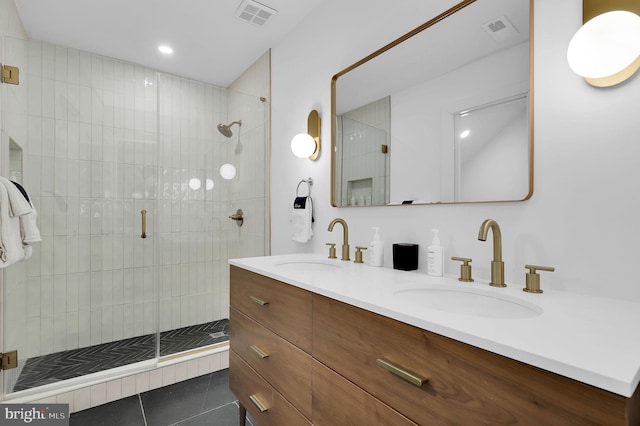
[204,400]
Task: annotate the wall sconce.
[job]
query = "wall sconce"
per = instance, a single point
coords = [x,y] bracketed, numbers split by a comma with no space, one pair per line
[606,49]
[308,144]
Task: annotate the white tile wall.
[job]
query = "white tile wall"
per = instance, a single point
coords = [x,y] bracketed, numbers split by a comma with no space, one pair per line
[364,168]
[195,229]
[70,171]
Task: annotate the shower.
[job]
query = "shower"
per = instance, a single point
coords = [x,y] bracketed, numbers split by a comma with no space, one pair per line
[225,129]
[106,308]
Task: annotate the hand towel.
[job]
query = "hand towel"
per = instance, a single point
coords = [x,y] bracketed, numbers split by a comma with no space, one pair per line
[301,219]
[22,191]
[21,206]
[28,228]
[11,249]
[18,204]
[28,252]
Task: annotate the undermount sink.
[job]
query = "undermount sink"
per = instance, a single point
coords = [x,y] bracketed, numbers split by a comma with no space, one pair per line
[308,265]
[472,302]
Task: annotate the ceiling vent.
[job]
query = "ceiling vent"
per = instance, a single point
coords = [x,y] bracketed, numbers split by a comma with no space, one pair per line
[254,12]
[500,29]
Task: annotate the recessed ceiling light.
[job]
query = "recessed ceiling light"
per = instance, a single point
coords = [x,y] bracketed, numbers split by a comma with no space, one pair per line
[165,49]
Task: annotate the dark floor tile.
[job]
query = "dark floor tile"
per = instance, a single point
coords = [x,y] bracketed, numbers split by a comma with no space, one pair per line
[218,393]
[173,403]
[227,415]
[187,399]
[204,400]
[124,412]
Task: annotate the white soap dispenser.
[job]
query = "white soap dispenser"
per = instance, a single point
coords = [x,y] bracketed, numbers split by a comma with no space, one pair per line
[376,254]
[435,256]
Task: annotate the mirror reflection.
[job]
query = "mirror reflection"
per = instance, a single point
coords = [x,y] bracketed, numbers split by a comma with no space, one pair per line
[442,116]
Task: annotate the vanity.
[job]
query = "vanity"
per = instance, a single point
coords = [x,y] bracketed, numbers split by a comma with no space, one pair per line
[319,341]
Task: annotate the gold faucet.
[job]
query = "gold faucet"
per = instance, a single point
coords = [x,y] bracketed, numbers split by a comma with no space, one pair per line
[345,236]
[497,265]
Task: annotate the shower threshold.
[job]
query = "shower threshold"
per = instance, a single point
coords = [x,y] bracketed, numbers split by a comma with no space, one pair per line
[65,365]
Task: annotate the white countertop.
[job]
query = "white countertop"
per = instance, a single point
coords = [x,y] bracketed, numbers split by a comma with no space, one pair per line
[592,340]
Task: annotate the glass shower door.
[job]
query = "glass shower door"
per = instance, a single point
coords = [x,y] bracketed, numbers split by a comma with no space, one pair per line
[86,301]
[196,235]
[100,142]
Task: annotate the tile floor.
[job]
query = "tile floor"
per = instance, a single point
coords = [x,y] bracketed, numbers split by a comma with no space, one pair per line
[204,400]
[58,366]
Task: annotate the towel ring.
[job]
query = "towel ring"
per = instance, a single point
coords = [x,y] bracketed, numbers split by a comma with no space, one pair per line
[309,183]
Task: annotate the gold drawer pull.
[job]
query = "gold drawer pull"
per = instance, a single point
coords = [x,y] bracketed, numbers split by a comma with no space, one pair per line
[256,401]
[403,373]
[262,354]
[259,301]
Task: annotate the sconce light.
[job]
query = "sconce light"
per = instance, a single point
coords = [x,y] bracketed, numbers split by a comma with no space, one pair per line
[308,144]
[606,49]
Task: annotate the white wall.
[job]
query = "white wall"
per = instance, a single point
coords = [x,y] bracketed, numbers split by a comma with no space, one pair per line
[582,218]
[497,171]
[422,119]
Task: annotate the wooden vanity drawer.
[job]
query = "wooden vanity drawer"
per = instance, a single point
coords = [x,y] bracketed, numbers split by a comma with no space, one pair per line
[251,390]
[466,385]
[282,308]
[337,401]
[285,367]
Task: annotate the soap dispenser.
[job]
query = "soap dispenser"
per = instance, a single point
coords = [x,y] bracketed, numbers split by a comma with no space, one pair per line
[435,256]
[376,254]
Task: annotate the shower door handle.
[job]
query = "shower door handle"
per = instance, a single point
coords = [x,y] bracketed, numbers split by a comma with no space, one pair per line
[144,224]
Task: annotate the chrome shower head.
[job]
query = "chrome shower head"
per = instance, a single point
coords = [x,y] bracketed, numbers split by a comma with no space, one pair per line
[225,129]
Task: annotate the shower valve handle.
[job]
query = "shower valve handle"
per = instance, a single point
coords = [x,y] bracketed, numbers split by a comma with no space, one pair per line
[238,217]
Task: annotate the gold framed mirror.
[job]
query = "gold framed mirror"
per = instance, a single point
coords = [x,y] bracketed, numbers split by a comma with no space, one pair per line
[443,114]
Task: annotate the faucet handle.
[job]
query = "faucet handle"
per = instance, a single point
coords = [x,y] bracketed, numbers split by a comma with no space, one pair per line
[465,269]
[533,279]
[359,254]
[332,250]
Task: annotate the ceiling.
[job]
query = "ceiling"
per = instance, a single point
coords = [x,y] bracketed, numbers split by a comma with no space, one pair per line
[210,44]
[453,42]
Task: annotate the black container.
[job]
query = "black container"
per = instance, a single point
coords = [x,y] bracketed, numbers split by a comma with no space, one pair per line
[405,256]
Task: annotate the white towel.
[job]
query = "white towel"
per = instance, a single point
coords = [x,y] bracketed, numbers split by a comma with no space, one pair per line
[18,208]
[11,249]
[301,219]
[29,230]
[18,204]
